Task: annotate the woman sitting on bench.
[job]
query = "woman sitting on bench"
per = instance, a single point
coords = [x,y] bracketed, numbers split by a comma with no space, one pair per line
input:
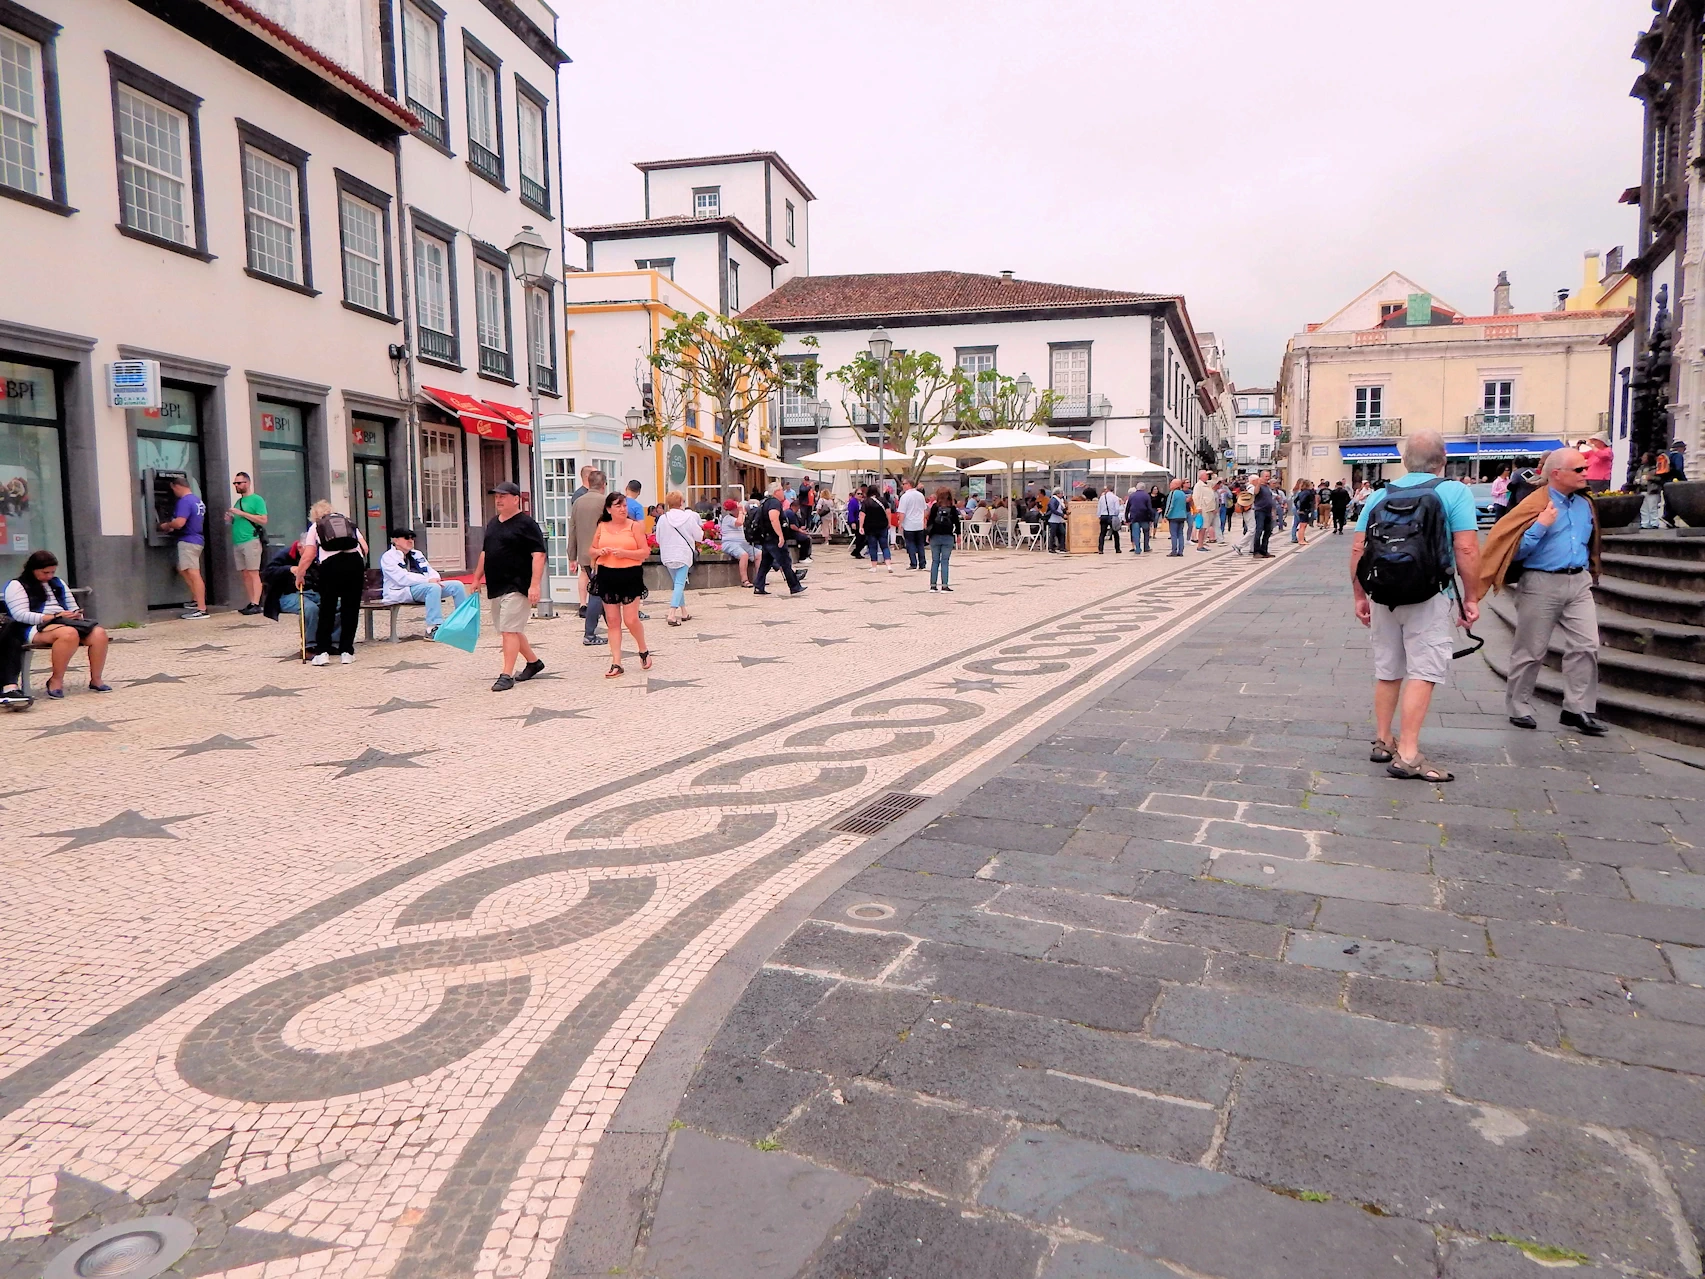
[38,599]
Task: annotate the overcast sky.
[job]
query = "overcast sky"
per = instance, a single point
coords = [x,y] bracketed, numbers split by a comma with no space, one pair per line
[1268,161]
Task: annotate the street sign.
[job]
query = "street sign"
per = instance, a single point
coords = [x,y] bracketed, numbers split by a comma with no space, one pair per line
[133,384]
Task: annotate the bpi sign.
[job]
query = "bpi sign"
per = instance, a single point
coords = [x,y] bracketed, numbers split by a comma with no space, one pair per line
[133,384]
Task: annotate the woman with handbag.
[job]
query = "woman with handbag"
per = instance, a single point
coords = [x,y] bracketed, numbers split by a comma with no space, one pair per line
[619,551]
[39,600]
[679,531]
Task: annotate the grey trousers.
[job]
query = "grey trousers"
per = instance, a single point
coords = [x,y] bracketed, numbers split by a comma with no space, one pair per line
[1546,602]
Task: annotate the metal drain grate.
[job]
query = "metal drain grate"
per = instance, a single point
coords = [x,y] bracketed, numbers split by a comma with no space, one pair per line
[878,813]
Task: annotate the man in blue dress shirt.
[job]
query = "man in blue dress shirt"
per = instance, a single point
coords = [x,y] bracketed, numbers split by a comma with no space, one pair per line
[1556,594]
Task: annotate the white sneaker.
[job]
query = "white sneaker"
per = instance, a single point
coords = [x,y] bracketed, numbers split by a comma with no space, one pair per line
[347,658]
[321,659]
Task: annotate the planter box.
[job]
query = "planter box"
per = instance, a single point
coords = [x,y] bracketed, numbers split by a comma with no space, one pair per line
[1685,500]
[1619,511]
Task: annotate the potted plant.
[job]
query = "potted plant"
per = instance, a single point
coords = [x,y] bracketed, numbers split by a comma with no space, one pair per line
[1619,509]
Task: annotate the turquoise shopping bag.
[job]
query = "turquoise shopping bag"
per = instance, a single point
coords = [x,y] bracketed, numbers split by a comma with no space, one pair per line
[462,628]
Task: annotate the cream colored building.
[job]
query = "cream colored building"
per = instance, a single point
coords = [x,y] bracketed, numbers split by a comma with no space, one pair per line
[1503,388]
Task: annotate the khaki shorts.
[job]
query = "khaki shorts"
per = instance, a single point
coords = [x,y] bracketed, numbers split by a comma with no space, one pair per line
[1414,641]
[509,613]
[248,555]
[189,556]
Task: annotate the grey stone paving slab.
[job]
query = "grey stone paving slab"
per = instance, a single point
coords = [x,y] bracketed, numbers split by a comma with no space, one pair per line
[1079,874]
[1496,901]
[729,1211]
[1418,926]
[1483,1013]
[1484,1259]
[1360,883]
[970,926]
[850,1030]
[1670,1000]
[843,952]
[1684,924]
[1000,834]
[937,857]
[1575,948]
[1522,871]
[1109,1001]
[1688,962]
[1634,1097]
[897,1139]
[901,1237]
[1075,910]
[1217,933]
[1207,897]
[1267,977]
[1358,850]
[1672,888]
[1639,1041]
[744,1098]
[771,1006]
[1078,1260]
[1160,1209]
[1359,955]
[1276,1030]
[1479,1169]
[1572,986]
[1168,961]
[611,1205]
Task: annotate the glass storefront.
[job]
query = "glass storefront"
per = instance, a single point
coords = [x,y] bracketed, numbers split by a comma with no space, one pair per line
[32,481]
[281,463]
[372,489]
[168,442]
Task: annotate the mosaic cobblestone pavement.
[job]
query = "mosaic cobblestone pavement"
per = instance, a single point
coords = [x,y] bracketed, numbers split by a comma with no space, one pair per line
[1187,987]
[349,968]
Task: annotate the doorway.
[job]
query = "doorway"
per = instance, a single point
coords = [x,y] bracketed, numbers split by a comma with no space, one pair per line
[369,439]
[168,443]
[494,469]
[441,497]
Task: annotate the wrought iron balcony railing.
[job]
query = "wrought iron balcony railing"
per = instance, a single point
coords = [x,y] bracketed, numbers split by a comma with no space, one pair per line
[1498,424]
[1369,428]
[487,162]
[431,123]
[438,346]
[494,362]
[535,193]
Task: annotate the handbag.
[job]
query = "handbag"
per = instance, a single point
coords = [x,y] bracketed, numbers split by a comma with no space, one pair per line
[462,628]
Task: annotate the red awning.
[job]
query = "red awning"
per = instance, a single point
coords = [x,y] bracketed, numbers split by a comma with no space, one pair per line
[519,418]
[476,415]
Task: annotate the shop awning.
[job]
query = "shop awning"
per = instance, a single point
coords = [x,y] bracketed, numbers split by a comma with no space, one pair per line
[477,417]
[1499,448]
[520,419]
[1368,452]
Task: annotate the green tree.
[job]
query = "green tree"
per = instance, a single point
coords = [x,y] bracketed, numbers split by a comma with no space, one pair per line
[735,364]
[995,402]
[912,395]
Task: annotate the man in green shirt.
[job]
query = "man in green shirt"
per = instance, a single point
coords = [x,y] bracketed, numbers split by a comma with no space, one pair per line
[247,518]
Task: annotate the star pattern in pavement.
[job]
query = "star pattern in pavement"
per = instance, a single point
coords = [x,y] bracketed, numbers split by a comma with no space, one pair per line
[372,758]
[81,1207]
[540,714]
[268,690]
[824,640]
[207,648]
[218,742]
[28,790]
[976,685]
[129,824]
[756,661]
[658,685]
[406,665]
[891,626]
[400,704]
[161,678]
[831,610]
[83,725]
[778,621]
[702,638]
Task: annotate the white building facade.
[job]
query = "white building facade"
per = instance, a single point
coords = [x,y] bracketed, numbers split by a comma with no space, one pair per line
[1255,443]
[1126,367]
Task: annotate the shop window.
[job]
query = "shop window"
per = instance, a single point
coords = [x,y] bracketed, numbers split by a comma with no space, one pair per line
[281,466]
[32,481]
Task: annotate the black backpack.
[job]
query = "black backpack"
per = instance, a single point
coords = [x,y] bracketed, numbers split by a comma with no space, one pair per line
[1406,558]
[757,527]
[336,532]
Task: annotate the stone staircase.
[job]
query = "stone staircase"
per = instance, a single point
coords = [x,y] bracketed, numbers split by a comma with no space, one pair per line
[1651,619]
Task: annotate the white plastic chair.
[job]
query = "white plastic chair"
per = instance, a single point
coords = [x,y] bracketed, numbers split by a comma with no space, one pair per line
[1027,534]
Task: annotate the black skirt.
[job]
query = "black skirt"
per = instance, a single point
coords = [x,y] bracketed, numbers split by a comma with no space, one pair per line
[620,585]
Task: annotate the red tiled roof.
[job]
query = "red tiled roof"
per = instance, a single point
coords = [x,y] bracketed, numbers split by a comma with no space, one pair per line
[812,297]
[739,157]
[293,45]
[1528,316]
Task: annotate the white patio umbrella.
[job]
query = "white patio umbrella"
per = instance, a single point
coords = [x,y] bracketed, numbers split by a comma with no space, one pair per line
[1013,447]
[1136,467]
[865,457]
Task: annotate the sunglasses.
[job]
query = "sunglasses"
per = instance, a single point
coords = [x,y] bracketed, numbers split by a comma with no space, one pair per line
[1578,470]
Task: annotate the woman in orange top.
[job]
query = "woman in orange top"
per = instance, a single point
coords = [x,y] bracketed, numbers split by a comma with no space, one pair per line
[619,551]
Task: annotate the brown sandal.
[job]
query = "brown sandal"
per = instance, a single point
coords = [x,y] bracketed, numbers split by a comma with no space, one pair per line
[613,672]
[1418,770]
[1382,752]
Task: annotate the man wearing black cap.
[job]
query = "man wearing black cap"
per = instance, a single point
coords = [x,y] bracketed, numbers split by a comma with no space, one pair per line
[408,577]
[512,567]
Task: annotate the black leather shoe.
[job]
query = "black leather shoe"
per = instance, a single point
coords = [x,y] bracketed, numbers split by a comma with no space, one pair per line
[1524,721]
[1582,724]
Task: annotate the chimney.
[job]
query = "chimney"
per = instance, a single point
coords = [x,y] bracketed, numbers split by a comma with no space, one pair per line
[1589,276]
[1613,262]
[1501,295]
[1006,275]
[1562,300]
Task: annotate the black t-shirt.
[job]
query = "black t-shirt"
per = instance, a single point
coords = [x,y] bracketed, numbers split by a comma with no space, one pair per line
[1340,501]
[509,549]
[875,517]
[766,526]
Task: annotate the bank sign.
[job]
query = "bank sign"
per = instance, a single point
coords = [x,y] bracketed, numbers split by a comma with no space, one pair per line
[133,384]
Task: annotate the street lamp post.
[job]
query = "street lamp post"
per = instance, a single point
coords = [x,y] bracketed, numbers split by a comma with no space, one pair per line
[881,347]
[529,259]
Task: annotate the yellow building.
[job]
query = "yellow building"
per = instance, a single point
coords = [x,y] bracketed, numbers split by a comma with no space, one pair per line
[1502,388]
[1604,288]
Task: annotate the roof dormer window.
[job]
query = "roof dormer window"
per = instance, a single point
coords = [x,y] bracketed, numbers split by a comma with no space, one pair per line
[707,202]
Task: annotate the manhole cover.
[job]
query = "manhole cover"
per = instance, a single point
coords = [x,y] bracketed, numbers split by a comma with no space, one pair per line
[878,813]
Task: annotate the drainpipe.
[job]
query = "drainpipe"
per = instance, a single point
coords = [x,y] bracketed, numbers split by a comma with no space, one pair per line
[405,279]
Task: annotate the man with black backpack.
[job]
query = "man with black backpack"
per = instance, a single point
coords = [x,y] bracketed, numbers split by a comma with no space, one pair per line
[764,530]
[1414,539]
[338,547]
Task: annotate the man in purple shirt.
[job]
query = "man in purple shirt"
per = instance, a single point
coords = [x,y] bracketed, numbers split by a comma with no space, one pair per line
[189,514]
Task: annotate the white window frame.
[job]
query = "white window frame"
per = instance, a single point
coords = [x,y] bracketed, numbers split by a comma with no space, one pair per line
[542,333]
[24,135]
[440,478]
[272,215]
[1074,356]
[424,293]
[356,258]
[531,140]
[733,286]
[1495,391]
[1370,403]
[707,202]
[789,215]
[139,158]
[423,58]
[489,289]
[480,79]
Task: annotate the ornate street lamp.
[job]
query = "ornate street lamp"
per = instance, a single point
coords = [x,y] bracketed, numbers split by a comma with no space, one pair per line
[529,260]
[881,347]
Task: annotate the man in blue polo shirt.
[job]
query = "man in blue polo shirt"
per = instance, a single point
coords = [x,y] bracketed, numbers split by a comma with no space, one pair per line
[1557,553]
[189,516]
